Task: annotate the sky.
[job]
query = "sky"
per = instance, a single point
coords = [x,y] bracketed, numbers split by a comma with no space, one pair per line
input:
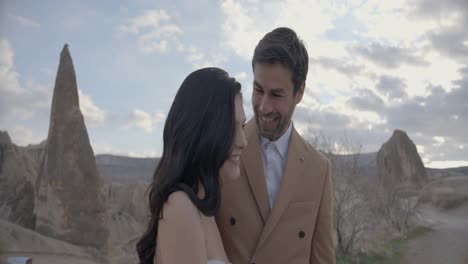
[374,66]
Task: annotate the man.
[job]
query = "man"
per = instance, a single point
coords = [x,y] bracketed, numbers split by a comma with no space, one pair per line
[280,210]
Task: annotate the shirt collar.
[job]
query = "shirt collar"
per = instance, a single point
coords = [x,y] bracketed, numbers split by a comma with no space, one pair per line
[282,143]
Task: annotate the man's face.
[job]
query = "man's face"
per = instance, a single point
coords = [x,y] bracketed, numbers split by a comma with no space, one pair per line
[273,99]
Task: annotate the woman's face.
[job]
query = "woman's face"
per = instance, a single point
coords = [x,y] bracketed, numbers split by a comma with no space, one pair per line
[230,167]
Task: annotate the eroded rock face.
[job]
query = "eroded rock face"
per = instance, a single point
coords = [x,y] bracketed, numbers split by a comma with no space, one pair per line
[70,203]
[35,152]
[399,164]
[17,174]
[128,218]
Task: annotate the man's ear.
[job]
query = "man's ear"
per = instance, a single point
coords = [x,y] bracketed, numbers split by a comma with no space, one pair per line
[299,93]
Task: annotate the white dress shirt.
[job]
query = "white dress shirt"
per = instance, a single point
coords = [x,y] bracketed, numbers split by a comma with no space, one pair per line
[274,154]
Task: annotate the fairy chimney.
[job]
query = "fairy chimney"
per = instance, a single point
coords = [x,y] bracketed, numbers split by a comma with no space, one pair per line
[399,164]
[70,204]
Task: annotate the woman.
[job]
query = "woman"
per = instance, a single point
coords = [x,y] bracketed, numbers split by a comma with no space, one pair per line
[203,139]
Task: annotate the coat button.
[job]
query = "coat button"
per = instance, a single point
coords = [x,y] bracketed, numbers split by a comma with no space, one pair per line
[232,220]
[301,234]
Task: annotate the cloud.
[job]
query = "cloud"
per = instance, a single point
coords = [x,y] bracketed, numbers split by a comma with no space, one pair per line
[155,30]
[390,21]
[438,9]
[367,100]
[392,87]
[151,18]
[22,136]
[157,33]
[337,125]
[421,23]
[144,120]
[239,28]
[92,113]
[452,42]
[344,66]
[199,59]
[375,78]
[321,117]
[17,100]
[159,117]
[441,113]
[25,21]
[240,76]
[246,21]
[450,37]
[439,140]
[438,120]
[388,56]
[9,76]
[23,102]
[374,65]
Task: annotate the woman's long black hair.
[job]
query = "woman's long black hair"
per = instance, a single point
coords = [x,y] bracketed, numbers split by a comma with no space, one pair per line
[198,138]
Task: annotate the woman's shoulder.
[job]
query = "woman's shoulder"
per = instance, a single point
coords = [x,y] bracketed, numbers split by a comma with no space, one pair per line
[179,197]
[179,205]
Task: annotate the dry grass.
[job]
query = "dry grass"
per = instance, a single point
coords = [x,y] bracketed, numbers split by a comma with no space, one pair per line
[446,193]
[391,251]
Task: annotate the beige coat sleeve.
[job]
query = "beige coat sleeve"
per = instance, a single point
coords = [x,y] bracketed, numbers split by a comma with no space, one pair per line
[180,234]
[323,246]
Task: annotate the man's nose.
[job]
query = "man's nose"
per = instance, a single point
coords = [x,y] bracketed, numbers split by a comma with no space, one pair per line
[265,106]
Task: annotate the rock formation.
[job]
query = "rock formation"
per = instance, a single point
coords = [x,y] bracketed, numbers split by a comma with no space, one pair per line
[17,174]
[35,152]
[128,218]
[70,202]
[399,164]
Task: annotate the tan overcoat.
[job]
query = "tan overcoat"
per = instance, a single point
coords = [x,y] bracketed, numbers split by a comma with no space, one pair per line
[299,228]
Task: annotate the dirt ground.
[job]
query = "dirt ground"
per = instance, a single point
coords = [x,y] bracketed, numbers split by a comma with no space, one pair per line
[50,258]
[448,243]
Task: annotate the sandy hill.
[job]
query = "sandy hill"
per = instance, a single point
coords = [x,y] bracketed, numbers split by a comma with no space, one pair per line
[19,241]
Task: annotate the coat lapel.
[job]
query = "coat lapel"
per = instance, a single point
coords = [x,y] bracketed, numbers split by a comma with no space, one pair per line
[253,163]
[294,169]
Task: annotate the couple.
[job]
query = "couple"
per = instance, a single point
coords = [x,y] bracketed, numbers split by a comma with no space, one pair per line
[216,199]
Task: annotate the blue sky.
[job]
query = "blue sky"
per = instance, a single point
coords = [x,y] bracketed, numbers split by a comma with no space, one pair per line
[375,66]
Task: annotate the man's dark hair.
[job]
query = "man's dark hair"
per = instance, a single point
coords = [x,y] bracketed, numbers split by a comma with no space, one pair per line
[284,46]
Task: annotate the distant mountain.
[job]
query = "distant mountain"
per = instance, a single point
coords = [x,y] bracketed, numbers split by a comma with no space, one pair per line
[459,171]
[121,169]
[366,163]
[368,166]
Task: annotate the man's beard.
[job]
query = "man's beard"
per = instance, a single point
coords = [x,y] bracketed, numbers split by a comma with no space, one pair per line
[276,132]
